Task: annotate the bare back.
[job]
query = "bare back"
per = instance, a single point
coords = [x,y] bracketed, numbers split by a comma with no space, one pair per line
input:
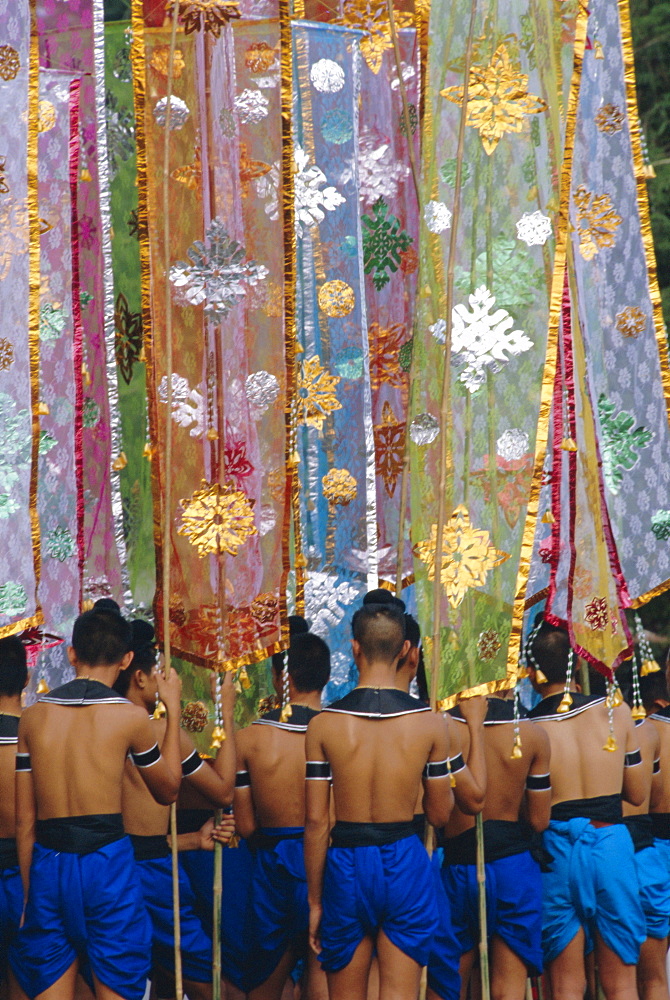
[142,815]
[649,749]
[275,760]
[661,721]
[7,798]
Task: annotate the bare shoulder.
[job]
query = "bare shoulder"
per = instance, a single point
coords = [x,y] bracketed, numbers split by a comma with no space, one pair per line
[245,738]
[533,733]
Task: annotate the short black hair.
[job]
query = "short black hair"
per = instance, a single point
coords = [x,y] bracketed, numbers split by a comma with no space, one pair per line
[550,652]
[101,638]
[653,688]
[380,631]
[383,596]
[13,666]
[413,635]
[297,625]
[308,662]
[143,645]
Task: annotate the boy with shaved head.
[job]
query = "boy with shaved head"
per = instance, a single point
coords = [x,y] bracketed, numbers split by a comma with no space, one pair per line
[372,889]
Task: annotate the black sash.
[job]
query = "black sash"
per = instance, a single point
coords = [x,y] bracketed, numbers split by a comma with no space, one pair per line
[499,710]
[149,848]
[601,808]
[261,840]
[661,825]
[502,839]
[641,829]
[8,856]
[419,824]
[346,834]
[79,834]
[190,820]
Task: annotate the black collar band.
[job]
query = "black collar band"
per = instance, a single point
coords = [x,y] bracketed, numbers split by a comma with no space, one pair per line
[83,691]
[297,721]
[547,709]
[378,703]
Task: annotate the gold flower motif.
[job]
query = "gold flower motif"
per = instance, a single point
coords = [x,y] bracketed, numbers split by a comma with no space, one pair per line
[316,393]
[488,644]
[339,487]
[4,186]
[597,222]
[597,614]
[250,169]
[467,555]
[631,321]
[160,61]
[259,57]
[10,64]
[190,175]
[6,354]
[372,19]
[498,98]
[610,118]
[336,298]
[385,344]
[206,15]
[264,608]
[389,448]
[217,519]
[194,716]
[47,114]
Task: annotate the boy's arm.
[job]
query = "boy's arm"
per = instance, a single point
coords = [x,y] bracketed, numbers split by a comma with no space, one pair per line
[537,799]
[438,796]
[26,809]
[634,788]
[243,807]
[215,781]
[470,787]
[160,768]
[317,827]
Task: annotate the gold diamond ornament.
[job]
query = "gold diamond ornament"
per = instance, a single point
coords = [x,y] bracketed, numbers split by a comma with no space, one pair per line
[217,519]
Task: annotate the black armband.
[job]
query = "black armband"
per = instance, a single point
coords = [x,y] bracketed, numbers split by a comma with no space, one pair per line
[147,757]
[23,762]
[436,769]
[317,770]
[242,780]
[191,764]
[632,759]
[657,766]
[538,782]
[456,763]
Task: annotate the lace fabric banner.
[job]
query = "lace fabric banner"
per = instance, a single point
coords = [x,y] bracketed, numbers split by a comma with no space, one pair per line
[60,583]
[508,227]
[19,309]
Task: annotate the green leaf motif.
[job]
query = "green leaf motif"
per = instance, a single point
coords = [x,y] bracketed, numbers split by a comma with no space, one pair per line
[620,444]
[516,279]
[13,599]
[7,505]
[60,544]
[448,172]
[405,355]
[383,242]
[47,442]
[15,442]
[660,525]
[52,321]
[90,412]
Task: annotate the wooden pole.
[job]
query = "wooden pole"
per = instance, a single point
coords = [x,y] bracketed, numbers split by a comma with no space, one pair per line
[167,488]
[483,929]
[216,916]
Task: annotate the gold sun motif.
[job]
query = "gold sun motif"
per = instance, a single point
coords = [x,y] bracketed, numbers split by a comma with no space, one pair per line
[597,222]
[339,487]
[217,519]
[631,321]
[336,298]
[467,555]
[498,98]
[372,19]
[160,61]
[610,119]
[10,64]
[316,393]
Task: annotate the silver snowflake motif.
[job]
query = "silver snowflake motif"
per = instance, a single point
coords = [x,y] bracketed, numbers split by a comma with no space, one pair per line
[262,388]
[180,388]
[15,442]
[483,339]
[60,544]
[267,188]
[13,599]
[120,132]
[534,228]
[408,73]
[268,519]
[218,274]
[311,201]
[439,330]
[437,216]
[379,173]
[424,429]
[512,445]
[90,412]
[179,112]
[251,106]
[327,76]
[327,601]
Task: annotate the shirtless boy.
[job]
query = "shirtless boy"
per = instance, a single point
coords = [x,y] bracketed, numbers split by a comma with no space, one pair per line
[84,899]
[13,679]
[146,821]
[590,896]
[373,888]
[270,804]
[517,786]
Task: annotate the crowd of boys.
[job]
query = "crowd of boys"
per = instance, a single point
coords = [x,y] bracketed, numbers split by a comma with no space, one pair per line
[328,888]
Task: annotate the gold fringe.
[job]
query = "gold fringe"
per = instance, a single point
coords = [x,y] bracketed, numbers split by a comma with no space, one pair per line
[560,259]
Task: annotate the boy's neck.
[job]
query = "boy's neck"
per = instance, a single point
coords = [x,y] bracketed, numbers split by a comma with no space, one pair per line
[104,674]
[10,704]
[377,674]
[310,699]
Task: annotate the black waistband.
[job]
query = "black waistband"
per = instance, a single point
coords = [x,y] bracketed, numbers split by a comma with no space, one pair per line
[149,848]
[419,824]
[502,839]
[601,808]
[8,856]
[190,820]
[641,831]
[370,834]
[79,834]
[661,825]
[261,840]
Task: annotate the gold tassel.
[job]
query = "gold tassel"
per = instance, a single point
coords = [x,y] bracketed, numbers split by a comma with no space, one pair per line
[42,410]
[649,667]
[148,451]
[218,736]
[42,687]
[598,50]
[648,171]
[548,517]
[286,713]
[566,702]
[540,677]
[611,744]
[568,444]
[244,679]
[212,434]
[617,697]
[638,712]
[159,711]
[121,462]
[85,175]
[517,753]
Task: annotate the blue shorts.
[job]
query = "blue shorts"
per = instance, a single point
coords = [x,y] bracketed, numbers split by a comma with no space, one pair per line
[198,867]
[593,885]
[88,906]
[663,848]
[513,906]
[445,953]
[11,908]
[654,882]
[367,889]
[278,915]
[196,945]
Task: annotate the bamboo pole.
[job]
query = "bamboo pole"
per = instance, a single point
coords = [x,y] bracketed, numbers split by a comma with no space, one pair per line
[216,915]
[167,489]
[483,929]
